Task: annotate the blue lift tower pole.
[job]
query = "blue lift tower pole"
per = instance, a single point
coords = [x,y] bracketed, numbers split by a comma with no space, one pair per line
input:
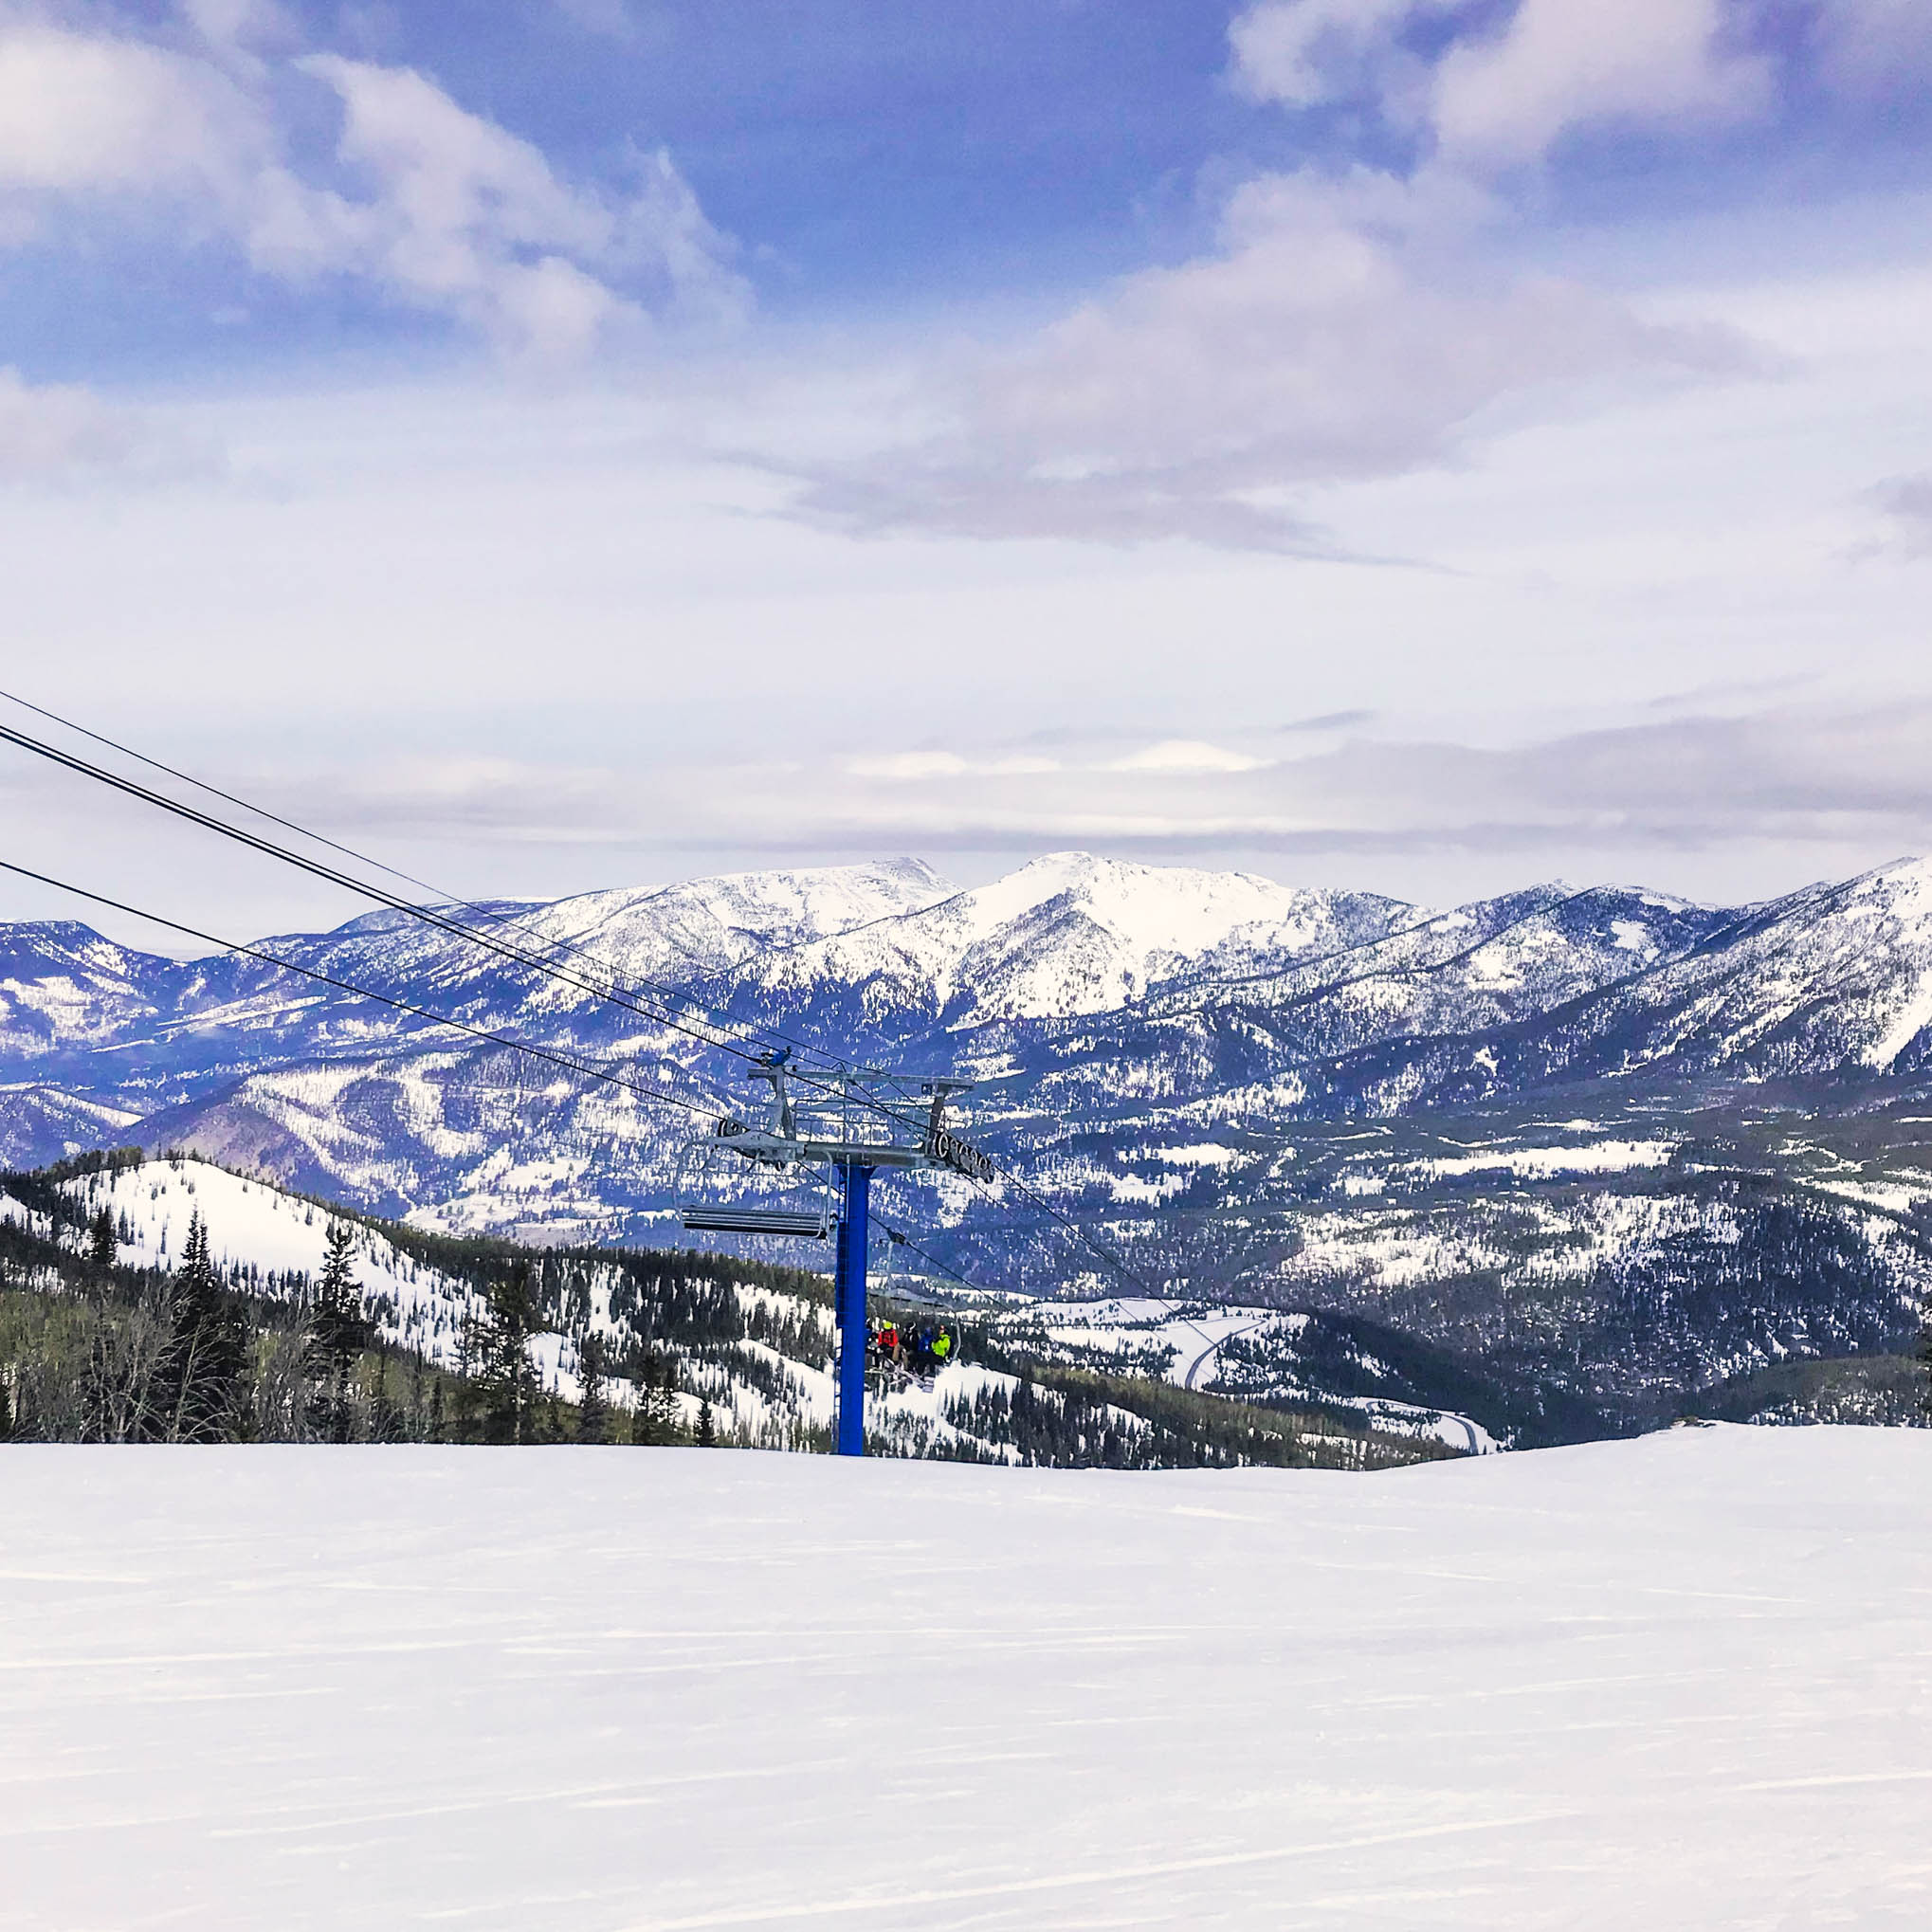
[849,1302]
[820,1137]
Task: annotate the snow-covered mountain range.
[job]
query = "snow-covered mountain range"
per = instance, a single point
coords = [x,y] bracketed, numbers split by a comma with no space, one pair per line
[1264,1094]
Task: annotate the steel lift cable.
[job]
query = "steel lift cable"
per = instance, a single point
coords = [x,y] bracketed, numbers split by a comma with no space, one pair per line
[430,916]
[509,920]
[443,920]
[426,915]
[583,1068]
[519,956]
[933,1261]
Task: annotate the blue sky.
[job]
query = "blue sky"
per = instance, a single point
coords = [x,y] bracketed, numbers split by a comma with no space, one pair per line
[881,153]
[864,160]
[581,441]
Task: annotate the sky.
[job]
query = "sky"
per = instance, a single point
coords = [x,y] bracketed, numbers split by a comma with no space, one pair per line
[557,444]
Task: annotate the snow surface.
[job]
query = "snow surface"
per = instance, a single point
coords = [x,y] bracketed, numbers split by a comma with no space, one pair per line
[1679,1681]
[1068,933]
[1601,1157]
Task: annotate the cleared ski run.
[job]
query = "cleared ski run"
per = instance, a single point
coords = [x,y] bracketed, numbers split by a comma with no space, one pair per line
[1685,1681]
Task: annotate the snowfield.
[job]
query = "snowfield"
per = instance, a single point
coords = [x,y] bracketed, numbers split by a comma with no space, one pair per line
[1601,1157]
[1677,1681]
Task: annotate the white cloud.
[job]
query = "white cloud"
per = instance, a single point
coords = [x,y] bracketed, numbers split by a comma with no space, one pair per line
[1343,330]
[62,433]
[82,114]
[463,217]
[435,208]
[916,768]
[1508,95]
[1185,755]
[1300,53]
[236,26]
[1331,336]
[1561,66]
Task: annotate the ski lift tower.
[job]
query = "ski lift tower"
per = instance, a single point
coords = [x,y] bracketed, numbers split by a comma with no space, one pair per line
[820,1133]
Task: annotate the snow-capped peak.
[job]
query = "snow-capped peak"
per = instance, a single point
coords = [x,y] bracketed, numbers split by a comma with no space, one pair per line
[1151,909]
[737,910]
[1067,933]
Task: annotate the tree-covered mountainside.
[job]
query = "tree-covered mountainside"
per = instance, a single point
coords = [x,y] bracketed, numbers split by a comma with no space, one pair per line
[173,1300]
[339,1326]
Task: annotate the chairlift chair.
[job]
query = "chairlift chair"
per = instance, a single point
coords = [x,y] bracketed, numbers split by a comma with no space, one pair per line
[704,1208]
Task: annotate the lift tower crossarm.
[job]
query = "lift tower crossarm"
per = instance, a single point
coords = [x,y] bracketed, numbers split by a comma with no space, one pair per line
[776,1151]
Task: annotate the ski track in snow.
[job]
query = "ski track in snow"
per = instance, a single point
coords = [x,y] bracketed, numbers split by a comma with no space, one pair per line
[1675,1682]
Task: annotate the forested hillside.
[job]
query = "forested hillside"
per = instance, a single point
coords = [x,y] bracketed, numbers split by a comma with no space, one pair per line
[172,1301]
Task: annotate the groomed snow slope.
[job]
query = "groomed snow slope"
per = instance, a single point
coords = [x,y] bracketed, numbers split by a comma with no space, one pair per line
[1676,1682]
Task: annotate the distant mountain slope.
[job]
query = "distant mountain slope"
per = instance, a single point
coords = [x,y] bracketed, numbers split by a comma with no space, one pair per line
[1065,934]
[63,987]
[41,1123]
[1828,982]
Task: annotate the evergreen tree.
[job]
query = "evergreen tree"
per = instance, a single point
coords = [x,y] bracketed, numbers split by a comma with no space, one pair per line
[1925,1362]
[508,1378]
[339,1333]
[467,1398]
[593,1420]
[385,1413]
[203,1373]
[656,1421]
[707,1428]
[103,1248]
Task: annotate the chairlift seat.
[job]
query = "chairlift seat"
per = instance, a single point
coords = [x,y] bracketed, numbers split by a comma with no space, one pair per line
[726,1219]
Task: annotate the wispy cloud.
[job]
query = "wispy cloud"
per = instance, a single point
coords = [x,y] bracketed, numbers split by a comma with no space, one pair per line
[1904,508]
[1329,720]
[612,19]
[1351,321]
[1792,775]
[62,433]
